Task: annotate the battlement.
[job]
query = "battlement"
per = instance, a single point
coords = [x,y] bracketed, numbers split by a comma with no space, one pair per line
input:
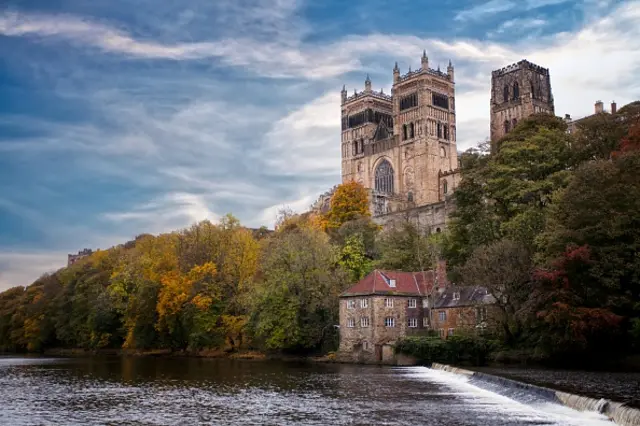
[435,73]
[521,65]
[378,95]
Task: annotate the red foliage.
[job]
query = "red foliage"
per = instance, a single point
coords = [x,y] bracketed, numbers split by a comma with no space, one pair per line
[574,258]
[579,322]
[629,143]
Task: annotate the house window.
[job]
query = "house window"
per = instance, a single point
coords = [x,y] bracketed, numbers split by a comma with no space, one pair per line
[389,322]
[364,322]
[413,303]
[388,303]
[456,295]
[442,315]
[351,304]
[364,303]
[392,283]
[351,322]
[365,345]
[413,322]
[425,303]
[425,322]
[481,314]
[441,332]
[450,332]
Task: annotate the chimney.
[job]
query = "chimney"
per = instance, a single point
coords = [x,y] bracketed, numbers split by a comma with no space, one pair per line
[614,107]
[567,117]
[441,274]
[599,107]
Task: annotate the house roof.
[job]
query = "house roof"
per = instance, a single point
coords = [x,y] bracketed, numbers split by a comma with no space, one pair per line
[382,282]
[469,296]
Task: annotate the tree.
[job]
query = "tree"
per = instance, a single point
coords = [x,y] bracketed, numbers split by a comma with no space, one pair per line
[353,258]
[295,304]
[504,268]
[405,247]
[349,201]
[601,209]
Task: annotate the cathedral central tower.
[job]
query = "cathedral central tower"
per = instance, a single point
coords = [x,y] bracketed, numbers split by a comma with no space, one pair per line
[402,146]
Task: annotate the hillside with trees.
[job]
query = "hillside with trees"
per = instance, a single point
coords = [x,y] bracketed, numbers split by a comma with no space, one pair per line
[550,224]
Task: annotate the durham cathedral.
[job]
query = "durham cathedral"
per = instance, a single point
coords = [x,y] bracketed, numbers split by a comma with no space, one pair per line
[402,146]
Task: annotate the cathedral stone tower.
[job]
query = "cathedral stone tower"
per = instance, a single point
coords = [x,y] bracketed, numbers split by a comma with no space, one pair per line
[402,146]
[518,91]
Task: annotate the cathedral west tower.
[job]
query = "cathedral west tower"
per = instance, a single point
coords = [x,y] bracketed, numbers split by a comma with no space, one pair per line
[402,146]
[517,92]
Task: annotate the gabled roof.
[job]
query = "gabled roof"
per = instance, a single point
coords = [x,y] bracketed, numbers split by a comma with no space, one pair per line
[468,296]
[382,131]
[380,282]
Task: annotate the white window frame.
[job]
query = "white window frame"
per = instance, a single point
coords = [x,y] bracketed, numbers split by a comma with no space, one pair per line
[413,322]
[450,332]
[351,322]
[425,322]
[390,322]
[364,303]
[388,302]
[351,304]
[425,302]
[442,315]
[456,295]
[364,322]
[413,303]
[365,345]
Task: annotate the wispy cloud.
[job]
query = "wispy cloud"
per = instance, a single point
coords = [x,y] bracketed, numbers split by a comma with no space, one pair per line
[495,7]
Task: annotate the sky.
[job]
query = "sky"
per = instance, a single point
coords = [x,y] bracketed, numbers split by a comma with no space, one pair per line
[122,117]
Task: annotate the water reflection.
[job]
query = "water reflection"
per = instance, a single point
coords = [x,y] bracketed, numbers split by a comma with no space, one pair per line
[184,391]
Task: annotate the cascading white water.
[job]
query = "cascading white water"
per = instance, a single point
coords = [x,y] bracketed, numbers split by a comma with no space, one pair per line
[521,404]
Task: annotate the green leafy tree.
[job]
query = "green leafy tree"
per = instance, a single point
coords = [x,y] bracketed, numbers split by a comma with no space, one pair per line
[405,247]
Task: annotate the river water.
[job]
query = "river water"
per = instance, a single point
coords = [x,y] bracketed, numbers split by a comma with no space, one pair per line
[175,391]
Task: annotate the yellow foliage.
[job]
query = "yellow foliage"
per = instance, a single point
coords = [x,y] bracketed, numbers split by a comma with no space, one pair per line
[202,302]
[349,201]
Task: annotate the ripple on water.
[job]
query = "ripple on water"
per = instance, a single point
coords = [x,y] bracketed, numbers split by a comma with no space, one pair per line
[130,391]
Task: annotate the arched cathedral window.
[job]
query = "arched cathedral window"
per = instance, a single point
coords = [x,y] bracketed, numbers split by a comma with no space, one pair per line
[384,177]
[446,131]
[404,132]
[410,197]
[445,186]
[505,94]
[516,90]
[411,134]
[533,90]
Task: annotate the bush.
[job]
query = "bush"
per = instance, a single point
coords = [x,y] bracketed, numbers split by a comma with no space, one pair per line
[471,350]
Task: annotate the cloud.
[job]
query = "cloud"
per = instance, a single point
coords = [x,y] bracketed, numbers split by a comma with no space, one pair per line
[521,24]
[495,7]
[277,58]
[20,268]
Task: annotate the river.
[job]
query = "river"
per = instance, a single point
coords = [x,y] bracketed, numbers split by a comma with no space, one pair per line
[187,391]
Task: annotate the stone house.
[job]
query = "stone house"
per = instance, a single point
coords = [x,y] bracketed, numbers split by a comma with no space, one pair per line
[464,309]
[386,306]
[383,307]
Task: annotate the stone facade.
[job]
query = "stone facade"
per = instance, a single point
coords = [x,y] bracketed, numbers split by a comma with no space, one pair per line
[366,331]
[517,92]
[464,310]
[402,146]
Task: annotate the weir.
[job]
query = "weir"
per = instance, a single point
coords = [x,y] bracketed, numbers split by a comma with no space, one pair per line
[615,411]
